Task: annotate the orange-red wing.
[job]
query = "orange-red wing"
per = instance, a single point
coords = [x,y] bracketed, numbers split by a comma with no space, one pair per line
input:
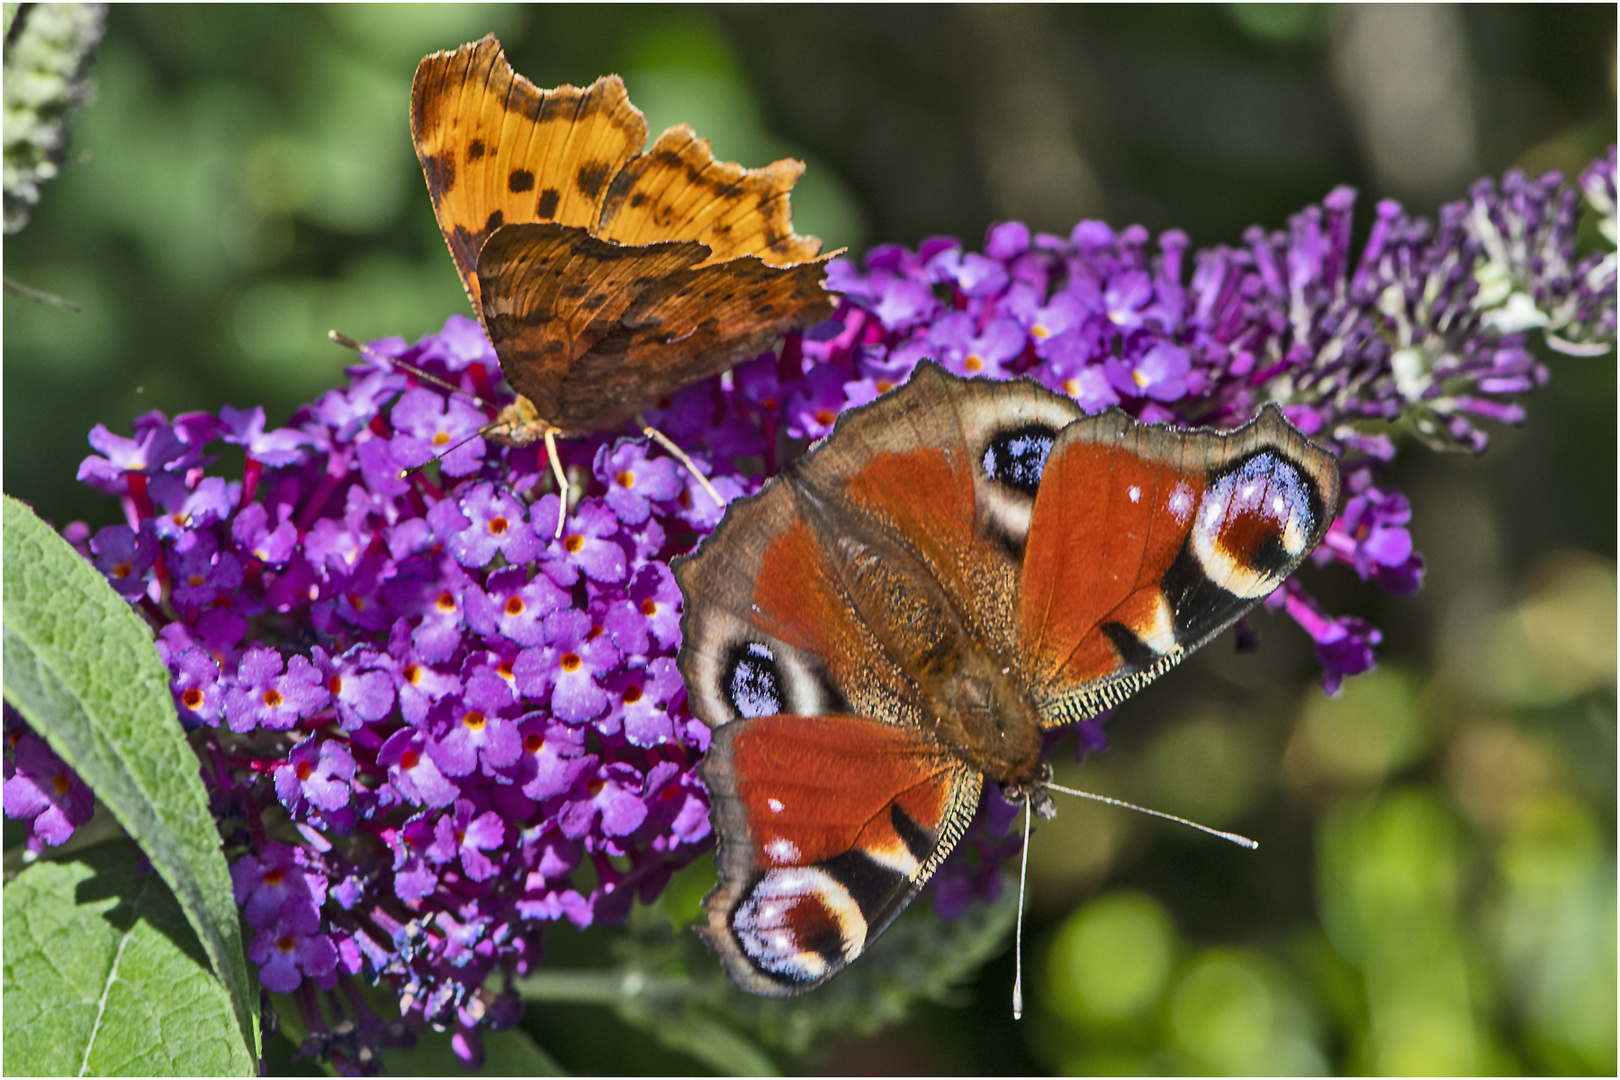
[1147,541]
[828,825]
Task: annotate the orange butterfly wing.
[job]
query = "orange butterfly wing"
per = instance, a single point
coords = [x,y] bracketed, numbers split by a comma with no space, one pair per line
[590,306]
[497,150]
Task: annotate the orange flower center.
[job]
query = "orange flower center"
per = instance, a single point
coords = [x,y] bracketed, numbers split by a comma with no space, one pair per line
[570,662]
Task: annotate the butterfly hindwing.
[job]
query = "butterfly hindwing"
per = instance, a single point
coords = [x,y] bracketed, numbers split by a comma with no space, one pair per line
[1182,532]
[829,825]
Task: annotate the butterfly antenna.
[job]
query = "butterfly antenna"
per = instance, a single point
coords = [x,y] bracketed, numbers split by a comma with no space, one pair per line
[365,350]
[1018,937]
[680,455]
[1236,838]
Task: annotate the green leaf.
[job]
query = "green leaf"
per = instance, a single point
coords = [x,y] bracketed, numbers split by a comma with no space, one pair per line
[81,669]
[104,976]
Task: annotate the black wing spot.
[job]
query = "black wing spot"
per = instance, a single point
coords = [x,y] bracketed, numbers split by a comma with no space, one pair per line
[1017,458]
[916,838]
[520,180]
[475,150]
[1198,606]
[592,177]
[753,684]
[873,886]
[1135,652]
[546,208]
[496,220]
[441,173]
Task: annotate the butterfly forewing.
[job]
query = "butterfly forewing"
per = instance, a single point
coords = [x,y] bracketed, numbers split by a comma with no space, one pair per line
[678,188]
[497,150]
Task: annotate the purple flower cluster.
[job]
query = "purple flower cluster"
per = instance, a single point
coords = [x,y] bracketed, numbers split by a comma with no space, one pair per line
[436,727]
[40,789]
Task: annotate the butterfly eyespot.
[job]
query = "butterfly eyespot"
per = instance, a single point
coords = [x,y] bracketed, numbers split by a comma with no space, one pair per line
[1017,458]
[753,682]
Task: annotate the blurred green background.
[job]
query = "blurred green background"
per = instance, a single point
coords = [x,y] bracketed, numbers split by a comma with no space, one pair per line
[1435,886]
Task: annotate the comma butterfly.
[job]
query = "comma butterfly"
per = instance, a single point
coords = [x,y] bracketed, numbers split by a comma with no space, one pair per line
[605,277]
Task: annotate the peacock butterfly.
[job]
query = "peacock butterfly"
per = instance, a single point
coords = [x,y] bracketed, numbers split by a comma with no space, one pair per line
[605,277]
[896,618]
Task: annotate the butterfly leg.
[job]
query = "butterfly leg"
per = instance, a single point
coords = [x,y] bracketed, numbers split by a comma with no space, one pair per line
[680,455]
[560,476]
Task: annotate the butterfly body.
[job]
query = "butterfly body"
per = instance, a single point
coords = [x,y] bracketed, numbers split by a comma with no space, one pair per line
[605,277]
[896,619]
